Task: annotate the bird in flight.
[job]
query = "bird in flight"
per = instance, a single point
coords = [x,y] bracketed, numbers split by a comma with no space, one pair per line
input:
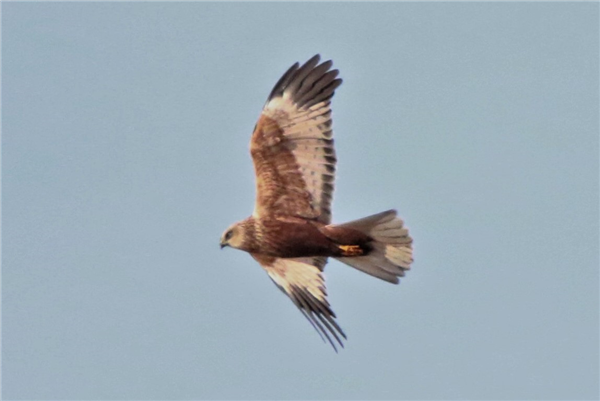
[289,232]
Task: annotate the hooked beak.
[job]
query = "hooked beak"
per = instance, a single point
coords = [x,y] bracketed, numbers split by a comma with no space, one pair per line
[223,245]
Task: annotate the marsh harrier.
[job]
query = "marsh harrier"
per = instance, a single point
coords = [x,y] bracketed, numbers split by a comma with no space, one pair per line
[290,232]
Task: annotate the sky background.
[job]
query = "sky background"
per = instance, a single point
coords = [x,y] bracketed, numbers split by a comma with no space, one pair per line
[125,131]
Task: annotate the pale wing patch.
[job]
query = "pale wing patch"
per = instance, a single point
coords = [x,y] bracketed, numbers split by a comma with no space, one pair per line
[299,273]
[302,281]
[307,134]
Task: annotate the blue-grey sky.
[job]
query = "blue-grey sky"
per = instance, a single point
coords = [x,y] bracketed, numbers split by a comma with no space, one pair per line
[125,130]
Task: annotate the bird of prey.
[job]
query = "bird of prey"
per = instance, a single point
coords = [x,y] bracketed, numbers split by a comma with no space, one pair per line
[289,232]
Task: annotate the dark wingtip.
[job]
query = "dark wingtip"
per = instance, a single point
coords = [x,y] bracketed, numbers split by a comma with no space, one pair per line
[314,59]
[309,83]
[320,316]
[283,82]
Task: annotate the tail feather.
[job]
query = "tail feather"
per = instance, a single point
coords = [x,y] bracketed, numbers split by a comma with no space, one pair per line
[392,246]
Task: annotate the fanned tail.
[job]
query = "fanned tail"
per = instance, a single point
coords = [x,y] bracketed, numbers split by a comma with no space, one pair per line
[391,253]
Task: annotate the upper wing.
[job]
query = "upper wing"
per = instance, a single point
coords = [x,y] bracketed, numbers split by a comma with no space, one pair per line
[292,145]
[302,281]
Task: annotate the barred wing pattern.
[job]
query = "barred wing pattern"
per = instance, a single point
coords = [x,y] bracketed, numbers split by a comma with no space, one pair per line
[292,146]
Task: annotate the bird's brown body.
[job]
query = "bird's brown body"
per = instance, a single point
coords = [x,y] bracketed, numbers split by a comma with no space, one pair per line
[290,232]
[292,237]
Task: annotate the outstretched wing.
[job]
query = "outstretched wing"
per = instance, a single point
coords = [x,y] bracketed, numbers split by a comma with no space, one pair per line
[292,145]
[302,281]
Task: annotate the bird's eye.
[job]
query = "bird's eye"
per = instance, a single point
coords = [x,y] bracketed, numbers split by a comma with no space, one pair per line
[228,235]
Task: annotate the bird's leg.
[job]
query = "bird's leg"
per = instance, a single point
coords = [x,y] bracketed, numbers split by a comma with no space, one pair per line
[351,250]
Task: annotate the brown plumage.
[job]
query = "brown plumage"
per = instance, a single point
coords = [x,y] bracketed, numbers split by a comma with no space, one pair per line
[289,233]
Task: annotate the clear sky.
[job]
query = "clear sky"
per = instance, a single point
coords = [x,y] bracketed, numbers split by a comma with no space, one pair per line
[125,155]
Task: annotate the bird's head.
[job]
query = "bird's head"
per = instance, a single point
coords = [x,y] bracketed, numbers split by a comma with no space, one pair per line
[234,236]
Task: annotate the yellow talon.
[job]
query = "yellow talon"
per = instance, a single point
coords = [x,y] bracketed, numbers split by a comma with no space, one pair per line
[351,250]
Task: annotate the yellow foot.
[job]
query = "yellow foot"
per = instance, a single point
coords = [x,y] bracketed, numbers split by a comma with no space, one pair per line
[351,250]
